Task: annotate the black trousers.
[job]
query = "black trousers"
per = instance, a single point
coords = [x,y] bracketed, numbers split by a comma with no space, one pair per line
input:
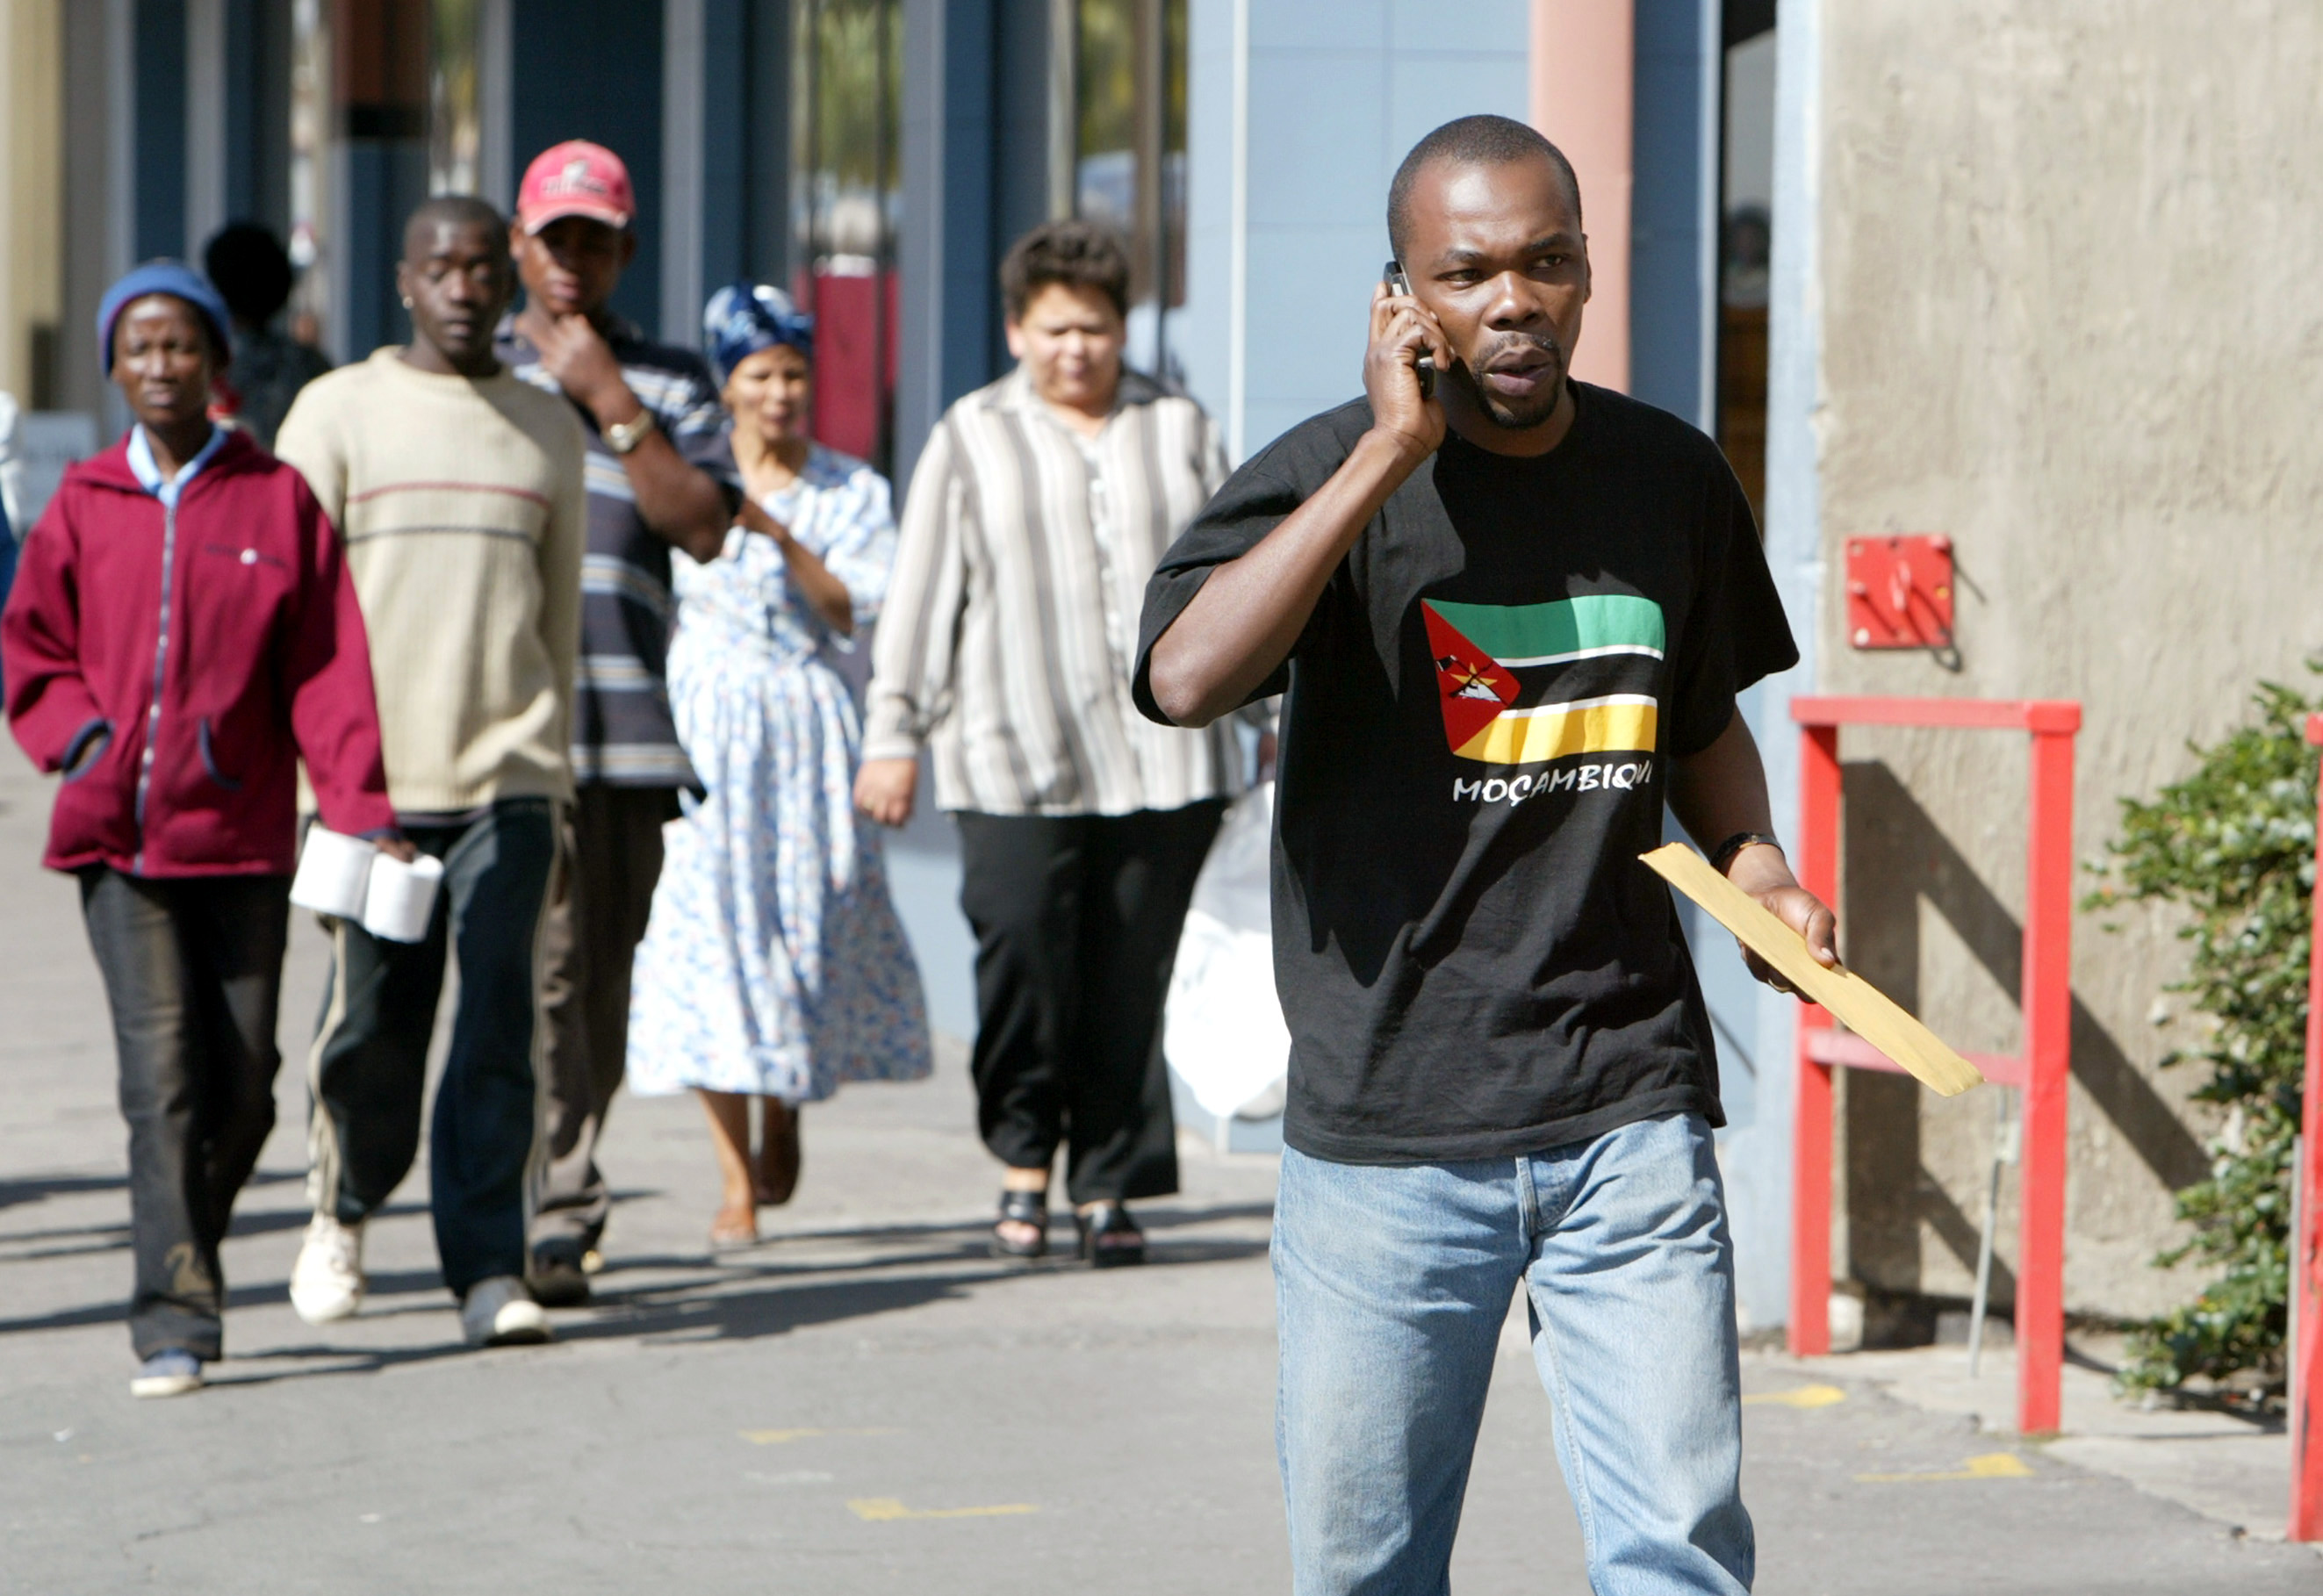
[596,916]
[193,973]
[1077,920]
[369,1070]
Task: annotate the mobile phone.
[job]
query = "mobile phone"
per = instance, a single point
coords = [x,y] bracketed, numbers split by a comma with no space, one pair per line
[1398,283]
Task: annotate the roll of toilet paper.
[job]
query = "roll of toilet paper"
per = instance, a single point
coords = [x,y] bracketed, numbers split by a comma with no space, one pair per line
[401,897]
[333,874]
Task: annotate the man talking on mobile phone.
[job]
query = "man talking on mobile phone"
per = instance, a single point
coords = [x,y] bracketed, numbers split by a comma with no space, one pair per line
[1512,620]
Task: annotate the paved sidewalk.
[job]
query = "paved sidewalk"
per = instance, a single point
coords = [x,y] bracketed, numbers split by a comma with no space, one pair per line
[2233,1470]
[864,1403]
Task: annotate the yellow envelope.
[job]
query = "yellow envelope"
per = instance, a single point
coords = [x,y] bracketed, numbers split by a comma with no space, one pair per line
[1859,1005]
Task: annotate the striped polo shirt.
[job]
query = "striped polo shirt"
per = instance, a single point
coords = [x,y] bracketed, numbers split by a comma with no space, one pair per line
[622,734]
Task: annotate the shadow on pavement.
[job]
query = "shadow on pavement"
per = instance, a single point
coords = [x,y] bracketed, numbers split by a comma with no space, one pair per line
[394,1284]
[13,1192]
[116,1231]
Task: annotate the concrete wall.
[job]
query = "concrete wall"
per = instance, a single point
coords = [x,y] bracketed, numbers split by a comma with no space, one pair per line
[2068,316]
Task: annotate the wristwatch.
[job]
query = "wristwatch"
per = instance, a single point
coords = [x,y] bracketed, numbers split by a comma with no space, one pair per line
[622,436]
[1725,855]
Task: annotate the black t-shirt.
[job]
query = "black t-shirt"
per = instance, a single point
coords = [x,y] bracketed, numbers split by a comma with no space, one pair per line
[1472,962]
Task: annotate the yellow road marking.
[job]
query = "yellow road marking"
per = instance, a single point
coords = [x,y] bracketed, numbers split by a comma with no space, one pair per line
[881,1509]
[1989,1465]
[1805,1396]
[777,1437]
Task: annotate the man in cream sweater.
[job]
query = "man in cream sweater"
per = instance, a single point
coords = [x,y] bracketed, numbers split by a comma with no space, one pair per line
[458,491]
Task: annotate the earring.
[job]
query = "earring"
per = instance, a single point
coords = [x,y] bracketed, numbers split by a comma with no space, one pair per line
[407,301]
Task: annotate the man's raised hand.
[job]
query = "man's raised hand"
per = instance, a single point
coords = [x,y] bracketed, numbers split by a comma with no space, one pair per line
[573,352]
[1403,330]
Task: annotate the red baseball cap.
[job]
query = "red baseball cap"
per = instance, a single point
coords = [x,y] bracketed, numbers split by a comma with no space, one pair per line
[576,178]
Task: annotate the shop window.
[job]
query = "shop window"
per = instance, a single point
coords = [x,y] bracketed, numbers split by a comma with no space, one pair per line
[1129,155]
[846,200]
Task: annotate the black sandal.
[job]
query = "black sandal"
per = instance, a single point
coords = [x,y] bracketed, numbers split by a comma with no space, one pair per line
[1022,1208]
[1110,1238]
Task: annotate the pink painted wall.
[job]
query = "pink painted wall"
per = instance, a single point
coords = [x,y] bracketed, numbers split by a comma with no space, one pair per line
[1583,76]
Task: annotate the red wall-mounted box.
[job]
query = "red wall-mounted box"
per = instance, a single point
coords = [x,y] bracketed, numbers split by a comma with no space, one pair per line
[1900,592]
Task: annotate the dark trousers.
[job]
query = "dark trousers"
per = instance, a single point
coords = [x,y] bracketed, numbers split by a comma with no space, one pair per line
[193,971]
[369,1069]
[596,917]
[1077,920]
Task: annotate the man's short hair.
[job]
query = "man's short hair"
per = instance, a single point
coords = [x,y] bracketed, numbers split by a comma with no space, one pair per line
[455,210]
[1471,141]
[1078,254]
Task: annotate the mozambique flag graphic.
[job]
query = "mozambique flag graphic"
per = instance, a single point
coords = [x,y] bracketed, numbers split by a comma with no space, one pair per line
[1522,684]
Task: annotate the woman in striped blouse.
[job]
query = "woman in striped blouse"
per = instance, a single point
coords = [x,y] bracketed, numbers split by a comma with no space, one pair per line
[1038,509]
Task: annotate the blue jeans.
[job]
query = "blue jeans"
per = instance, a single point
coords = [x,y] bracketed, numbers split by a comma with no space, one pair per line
[1391,1285]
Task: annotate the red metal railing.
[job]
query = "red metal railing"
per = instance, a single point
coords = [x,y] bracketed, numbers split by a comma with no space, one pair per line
[2307,1242]
[2041,1073]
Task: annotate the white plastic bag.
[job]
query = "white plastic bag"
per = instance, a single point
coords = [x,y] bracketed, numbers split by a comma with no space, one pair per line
[1223,1031]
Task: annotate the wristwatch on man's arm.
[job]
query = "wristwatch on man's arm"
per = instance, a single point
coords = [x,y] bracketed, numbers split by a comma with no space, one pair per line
[622,438]
[1724,853]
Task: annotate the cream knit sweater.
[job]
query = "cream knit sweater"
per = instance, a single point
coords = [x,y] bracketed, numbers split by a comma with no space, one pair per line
[461,503]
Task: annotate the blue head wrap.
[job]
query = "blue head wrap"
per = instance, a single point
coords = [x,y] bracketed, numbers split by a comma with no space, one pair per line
[165,276]
[743,319]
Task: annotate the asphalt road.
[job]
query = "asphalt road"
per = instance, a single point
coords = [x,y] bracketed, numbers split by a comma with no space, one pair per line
[863,1403]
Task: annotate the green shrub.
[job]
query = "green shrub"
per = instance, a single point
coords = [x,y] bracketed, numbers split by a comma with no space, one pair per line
[2234,845]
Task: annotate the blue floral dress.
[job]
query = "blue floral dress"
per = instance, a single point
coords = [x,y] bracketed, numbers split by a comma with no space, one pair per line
[774,963]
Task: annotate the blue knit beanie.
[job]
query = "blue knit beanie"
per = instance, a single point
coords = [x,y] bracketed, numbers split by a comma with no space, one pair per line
[164,277]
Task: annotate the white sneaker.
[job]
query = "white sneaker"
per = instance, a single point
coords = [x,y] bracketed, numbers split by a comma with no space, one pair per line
[497,1312]
[327,1283]
[168,1374]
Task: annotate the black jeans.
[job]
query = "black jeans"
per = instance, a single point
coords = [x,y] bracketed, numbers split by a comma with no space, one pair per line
[1077,920]
[193,972]
[595,918]
[369,1069]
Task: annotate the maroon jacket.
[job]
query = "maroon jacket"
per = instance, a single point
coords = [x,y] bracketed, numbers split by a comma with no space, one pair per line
[178,663]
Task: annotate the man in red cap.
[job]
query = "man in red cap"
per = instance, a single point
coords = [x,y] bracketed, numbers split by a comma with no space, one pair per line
[657,432]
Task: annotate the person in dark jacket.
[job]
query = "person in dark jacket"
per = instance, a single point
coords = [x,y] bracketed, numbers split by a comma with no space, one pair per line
[254,275]
[181,633]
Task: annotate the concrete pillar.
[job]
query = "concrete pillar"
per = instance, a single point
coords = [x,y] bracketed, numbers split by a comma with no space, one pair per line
[31,112]
[208,157]
[1584,96]
[496,171]
[683,131]
[98,166]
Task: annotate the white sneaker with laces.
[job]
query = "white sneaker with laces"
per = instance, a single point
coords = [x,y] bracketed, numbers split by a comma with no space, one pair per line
[327,1283]
[498,1312]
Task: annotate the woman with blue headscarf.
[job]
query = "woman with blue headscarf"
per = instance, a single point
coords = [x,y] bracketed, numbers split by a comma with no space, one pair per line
[773,965]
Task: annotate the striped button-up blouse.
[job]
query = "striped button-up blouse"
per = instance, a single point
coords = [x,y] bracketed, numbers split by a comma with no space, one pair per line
[1011,624]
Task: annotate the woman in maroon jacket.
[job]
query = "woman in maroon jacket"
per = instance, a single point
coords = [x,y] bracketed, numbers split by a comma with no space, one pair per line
[182,631]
